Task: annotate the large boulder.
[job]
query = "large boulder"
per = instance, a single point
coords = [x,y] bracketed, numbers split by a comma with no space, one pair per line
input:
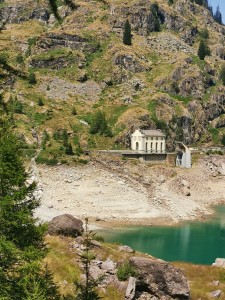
[65,225]
[160,280]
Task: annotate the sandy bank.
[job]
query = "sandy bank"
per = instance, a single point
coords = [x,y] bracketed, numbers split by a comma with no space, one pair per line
[126,192]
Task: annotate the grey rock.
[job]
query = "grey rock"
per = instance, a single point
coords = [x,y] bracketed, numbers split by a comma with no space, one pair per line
[65,225]
[129,62]
[126,249]
[130,291]
[216,294]
[160,279]
[108,266]
[219,262]
[215,283]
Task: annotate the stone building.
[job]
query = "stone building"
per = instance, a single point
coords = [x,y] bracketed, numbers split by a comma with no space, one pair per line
[149,141]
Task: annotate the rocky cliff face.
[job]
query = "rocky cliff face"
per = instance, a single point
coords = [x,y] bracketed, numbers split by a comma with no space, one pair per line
[160,73]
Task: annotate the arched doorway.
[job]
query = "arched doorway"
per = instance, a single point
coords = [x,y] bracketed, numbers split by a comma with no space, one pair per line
[146,146]
[137,146]
[161,147]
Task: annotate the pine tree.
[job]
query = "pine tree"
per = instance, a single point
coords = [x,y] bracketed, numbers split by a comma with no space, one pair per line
[32,78]
[21,240]
[127,36]
[218,16]
[201,50]
[222,74]
[69,149]
[87,290]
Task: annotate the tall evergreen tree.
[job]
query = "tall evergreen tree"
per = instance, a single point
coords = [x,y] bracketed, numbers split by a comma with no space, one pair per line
[21,240]
[202,50]
[222,74]
[217,15]
[127,36]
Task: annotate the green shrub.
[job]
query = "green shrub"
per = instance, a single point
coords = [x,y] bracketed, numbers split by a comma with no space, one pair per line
[99,238]
[40,102]
[3,58]
[74,111]
[18,107]
[125,270]
[83,161]
[48,161]
[69,149]
[19,59]
[31,78]
[222,75]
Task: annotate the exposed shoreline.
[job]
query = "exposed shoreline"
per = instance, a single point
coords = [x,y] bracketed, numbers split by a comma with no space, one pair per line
[118,193]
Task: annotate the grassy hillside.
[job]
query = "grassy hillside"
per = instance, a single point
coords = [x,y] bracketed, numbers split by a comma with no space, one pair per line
[82,66]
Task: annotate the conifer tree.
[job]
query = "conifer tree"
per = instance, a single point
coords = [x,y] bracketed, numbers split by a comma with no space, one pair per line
[201,50]
[222,74]
[127,36]
[218,16]
[21,240]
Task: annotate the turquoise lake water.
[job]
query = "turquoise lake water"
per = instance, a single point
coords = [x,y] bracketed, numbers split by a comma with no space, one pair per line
[196,242]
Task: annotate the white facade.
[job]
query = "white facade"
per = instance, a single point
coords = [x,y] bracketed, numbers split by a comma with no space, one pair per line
[183,156]
[150,141]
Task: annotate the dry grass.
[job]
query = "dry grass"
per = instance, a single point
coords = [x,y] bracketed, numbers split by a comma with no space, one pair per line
[201,277]
[62,261]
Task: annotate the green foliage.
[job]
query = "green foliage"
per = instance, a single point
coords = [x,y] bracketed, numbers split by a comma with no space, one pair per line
[21,239]
[99,125]
[203,50]
[31,78]
[223,140]
[19,59]
[156,16]
[127,36]
[218,16]
[45,139]
[69,149]
[32,41]
[54,8]
[222,74]
[87,290]
[3,58]
[204,34]
[18,107]
[170,2]
[40,102]
[48,161]
[65,138]
[125,270]
[74,111]
[215,134]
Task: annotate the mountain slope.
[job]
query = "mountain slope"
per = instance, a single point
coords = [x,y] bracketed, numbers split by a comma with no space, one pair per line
[82,66]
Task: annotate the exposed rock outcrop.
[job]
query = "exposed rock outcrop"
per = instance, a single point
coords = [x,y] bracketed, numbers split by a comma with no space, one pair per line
[52,39]
[159,279]
[15,14]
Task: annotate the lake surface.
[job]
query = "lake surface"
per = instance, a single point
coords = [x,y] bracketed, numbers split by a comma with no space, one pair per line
[196,242]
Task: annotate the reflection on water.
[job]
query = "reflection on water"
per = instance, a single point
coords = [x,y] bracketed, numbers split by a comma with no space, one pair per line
[197,242]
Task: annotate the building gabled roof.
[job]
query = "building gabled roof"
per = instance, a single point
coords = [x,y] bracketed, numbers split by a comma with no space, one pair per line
[153,132]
